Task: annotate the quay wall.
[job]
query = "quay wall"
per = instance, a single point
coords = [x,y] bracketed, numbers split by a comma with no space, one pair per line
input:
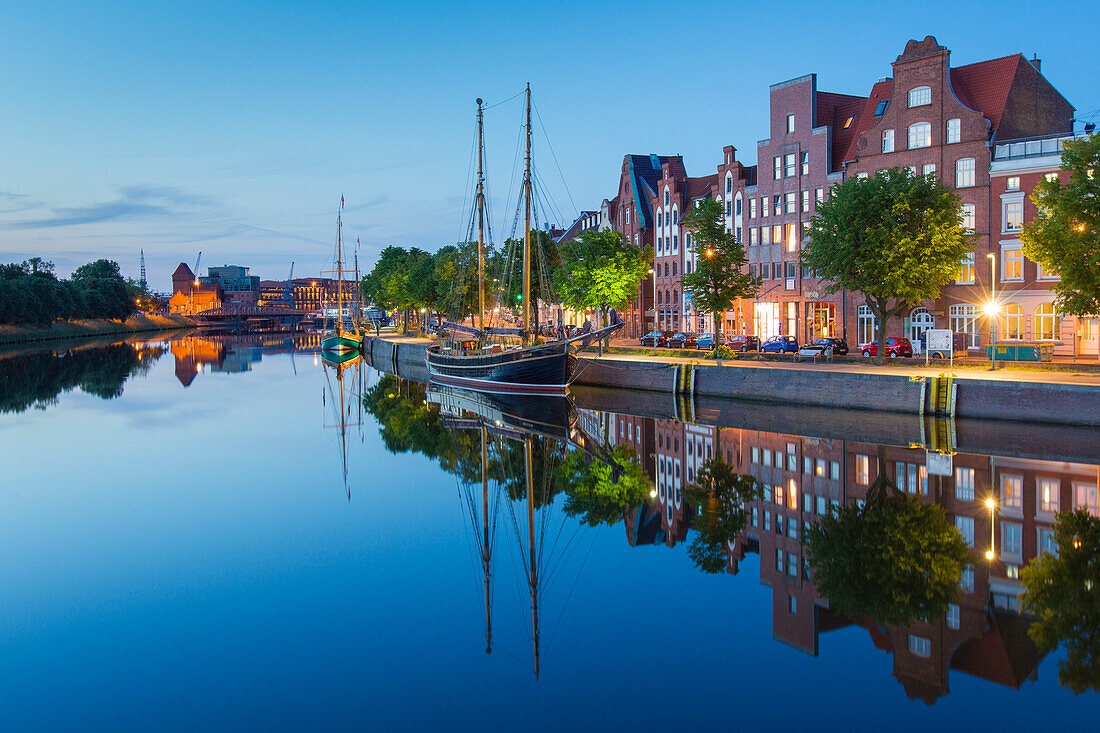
[1022,401]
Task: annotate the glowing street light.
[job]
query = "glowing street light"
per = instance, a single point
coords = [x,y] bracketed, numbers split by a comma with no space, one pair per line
[991,504]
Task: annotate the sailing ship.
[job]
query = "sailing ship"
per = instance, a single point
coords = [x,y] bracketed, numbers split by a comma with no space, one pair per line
[466,357]
[335,398]
[345,338]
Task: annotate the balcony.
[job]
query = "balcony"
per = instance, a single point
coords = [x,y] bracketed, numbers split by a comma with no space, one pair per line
[1033,147]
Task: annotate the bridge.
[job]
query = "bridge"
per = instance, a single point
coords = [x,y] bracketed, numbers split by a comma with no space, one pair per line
[242,316]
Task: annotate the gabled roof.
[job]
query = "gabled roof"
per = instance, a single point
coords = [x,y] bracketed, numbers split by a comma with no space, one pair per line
[644,172]
[834,110]
[865,118]
[183,271]
[984,86]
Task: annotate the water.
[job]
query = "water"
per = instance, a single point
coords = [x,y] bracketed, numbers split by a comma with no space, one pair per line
[179,549]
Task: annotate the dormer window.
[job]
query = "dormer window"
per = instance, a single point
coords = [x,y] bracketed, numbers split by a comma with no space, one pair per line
[920,96]
[880,110]
[848,122]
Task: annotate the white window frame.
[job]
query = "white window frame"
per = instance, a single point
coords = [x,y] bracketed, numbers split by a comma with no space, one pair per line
[965,173]
[920,135]
[954,130]
[1012,254]
[888,141]
[920,96]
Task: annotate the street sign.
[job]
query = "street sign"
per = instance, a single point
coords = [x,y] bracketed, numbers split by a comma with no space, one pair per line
[939,464]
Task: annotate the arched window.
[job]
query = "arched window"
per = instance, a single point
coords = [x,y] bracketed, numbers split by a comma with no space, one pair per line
[737,205]
[920,96]
[964,172]
[1048,323]
[1012,323]
[920,135]
[675,296]
[659,220]
[920,320]
[964,319]
[729,183]
[666,195]
[865,325]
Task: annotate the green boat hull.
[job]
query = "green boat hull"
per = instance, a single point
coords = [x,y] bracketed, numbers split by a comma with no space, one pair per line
[341,343]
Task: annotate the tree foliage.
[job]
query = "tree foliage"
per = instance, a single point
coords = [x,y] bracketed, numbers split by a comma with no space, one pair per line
[1062,591]
[720,494]
[601,270]
[895,237]
[1064,236]
[719,278]
[599,492]
[894,560]
[30,293]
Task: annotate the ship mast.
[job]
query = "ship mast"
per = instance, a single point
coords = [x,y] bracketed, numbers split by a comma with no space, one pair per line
[339,276]
[485,547]
[533,577]
[527,226]
[480,223]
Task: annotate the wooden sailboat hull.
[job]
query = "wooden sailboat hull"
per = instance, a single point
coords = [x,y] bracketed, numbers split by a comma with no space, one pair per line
[341,343]
[537,370]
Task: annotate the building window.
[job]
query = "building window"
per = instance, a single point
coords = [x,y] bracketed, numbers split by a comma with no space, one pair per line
[966,582]
[834,470]
[764,205]
[792,242]
[1012,183]
[1013,216]
[790,202]
[1047,543]
[819,196]
[777,234]
[952,615]
[1012,538]
[752,208]
[920,135]
[964,483]
[865,325]
[729,184]
[1012,263]
[753,236]
[790,124]
[737,204]
[966,270]
[1048,323]
[1012,491]
[920,646]
[1085,497]
[778,162]
[848,122]
[928,169]
[789,165]
[880,108]
[863,470]
[805,201]
[1046,493]
[968,217]
[964,319]
[964,172]
[805,164]
[765,235]
[954,130]
[792,605]
[920,96]
[888,141]
[1012,323]
[965,525]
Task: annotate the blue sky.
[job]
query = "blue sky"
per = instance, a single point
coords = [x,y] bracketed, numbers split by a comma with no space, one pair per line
[233,128]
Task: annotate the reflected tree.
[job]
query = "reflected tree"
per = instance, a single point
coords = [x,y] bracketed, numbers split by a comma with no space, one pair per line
[1062,591]
[721,494]
[600,492]
[894,559]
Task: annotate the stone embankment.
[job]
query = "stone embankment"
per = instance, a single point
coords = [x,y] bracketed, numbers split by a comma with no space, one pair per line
[91,328]
[1033,397]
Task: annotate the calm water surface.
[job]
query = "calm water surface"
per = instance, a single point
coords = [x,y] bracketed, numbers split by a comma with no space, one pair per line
[180,549]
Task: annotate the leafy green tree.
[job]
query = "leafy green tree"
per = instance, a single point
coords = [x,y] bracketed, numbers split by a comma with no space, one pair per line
[893,560]
[601,492]
[720,277]
[507,269]
[601,270]
[101,269]
[1064,236]
[896,237]
[720,495]
[1062,590]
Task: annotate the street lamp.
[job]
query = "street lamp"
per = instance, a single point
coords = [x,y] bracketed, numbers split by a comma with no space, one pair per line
[991,504]
[991,310]
[653,272]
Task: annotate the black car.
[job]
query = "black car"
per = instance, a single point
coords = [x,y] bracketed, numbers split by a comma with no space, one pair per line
[839,346]
[657,338]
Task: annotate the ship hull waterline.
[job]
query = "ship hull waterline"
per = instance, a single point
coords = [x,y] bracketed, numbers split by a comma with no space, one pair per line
[341,343]
[534,372]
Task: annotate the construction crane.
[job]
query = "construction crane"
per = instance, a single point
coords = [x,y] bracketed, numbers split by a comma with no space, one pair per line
[197,261]
[289,285]
[143,280]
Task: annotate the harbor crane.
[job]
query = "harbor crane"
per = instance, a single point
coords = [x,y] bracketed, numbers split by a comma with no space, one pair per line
[197,261]
[289,285]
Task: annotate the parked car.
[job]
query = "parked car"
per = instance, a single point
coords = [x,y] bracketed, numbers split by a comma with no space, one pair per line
[743,343]
[780,345]
[657,338]
[681,340]
[839,346]
[705,342]
[895,346]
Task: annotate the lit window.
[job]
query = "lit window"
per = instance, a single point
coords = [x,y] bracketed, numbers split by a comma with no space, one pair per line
[777,234]
[1012,183]
[968,217]
[1012,322]
[966,270]
[964,172]
[1048,323]
[1012,491]
[863,470]
[954,130]
[1046,491]
[792,240]
[920,135]
[1085,497]
[1013,216]
[848,122]
[863,174]
[1012,263]
[888,141]
[1050,176]
[790,124]
[920,96]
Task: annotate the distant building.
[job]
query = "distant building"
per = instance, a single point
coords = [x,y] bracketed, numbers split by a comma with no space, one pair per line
[306,293]
[190,296]
[231,279]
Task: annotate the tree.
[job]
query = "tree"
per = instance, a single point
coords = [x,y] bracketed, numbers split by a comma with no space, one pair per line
[893,560]
[719,278]
[896,237]
[1064,236]
[508,269]
[601,270]
[600,492]
[101,269]
[1062,590]
[720,495]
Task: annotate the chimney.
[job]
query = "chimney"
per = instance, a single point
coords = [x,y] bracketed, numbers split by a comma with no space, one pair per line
[1037,63]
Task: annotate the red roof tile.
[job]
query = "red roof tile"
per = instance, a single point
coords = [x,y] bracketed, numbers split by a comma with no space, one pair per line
[866,118]
[984,86]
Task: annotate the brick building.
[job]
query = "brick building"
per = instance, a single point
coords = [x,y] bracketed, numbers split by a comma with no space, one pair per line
[933,118]
[189,296]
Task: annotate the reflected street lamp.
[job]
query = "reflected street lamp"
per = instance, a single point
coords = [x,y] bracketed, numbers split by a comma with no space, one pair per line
[653,272]
[992,310]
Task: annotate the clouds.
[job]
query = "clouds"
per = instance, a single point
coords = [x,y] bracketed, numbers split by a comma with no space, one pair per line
[132,203]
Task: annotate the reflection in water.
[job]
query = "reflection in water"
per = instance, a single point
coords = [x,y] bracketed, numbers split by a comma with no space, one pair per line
[37,379]
[235,352]
[741,490]
[343,399]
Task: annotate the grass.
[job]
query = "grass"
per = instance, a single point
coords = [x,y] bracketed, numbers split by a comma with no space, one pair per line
[80,329]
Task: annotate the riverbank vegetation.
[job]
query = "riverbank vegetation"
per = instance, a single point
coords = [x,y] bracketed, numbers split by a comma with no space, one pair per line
[31,294]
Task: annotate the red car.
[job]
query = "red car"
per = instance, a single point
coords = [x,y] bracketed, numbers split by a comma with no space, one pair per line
[682,340]
[743,343]
[895,346]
